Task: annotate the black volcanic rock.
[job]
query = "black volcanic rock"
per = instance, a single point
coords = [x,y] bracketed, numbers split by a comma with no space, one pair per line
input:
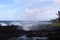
[7,32]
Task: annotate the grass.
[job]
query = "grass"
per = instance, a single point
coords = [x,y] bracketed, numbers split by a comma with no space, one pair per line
[56,24]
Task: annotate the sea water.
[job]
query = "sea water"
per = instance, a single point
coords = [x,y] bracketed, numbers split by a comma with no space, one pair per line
[27,25]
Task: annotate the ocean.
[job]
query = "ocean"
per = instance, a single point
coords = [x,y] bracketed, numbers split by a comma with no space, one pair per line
[27,26]
[27,22]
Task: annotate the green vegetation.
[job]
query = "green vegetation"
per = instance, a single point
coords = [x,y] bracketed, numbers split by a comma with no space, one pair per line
[55,24]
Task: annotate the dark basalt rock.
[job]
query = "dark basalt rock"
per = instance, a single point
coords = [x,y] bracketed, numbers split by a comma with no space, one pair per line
[7,32]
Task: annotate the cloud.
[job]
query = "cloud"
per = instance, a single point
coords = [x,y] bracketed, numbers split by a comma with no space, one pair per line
[57,2]
[31,12]
[40,10]
[40,14]
[16,1]
[30,2]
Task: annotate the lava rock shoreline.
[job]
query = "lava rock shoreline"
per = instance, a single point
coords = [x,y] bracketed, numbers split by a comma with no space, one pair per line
[7,32]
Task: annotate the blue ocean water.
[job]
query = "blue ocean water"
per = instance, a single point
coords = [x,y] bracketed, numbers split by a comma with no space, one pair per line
[26,22]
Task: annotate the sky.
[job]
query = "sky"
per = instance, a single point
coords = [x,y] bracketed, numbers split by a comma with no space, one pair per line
[29,10]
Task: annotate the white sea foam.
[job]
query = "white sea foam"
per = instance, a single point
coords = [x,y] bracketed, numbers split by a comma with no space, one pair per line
[3,24]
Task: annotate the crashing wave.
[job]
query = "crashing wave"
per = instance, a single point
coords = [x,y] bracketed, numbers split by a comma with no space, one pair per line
[16,24]
[3,24]
[27,27]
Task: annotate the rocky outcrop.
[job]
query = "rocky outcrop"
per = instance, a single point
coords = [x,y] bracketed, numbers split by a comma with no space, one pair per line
[7,32]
